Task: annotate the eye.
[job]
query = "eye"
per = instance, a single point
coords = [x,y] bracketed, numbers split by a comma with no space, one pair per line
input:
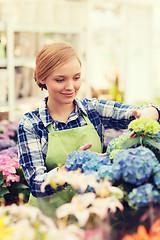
[77,77]
[59,80]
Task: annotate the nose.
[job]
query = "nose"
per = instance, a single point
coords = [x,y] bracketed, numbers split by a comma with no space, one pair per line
[69,85]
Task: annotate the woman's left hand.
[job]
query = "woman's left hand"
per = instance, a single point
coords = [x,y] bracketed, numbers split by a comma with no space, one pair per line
[150,112]
[144,113]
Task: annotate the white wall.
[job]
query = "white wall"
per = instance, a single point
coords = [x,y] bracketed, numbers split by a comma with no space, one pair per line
[137,53]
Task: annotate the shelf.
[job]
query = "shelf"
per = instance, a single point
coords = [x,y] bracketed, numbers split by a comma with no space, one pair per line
[10,61]
[47,28]
[19,62]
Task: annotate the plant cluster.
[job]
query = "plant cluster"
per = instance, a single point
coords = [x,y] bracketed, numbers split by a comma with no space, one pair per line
[12,180]
[143,234]
[91,201]
[24,222]
[131,164]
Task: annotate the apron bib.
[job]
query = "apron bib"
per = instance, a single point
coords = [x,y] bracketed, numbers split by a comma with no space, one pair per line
[60,145]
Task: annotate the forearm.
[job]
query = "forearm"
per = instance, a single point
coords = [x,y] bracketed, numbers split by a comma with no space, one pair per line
[35,178]
[148,112]
[122,114]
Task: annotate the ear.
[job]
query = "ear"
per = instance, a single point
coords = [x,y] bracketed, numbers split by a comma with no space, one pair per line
[43,81]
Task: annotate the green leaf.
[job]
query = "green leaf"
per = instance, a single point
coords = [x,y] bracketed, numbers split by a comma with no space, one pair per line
[152,142]
[1,182]
[1,178]
[1,175]
[130,142]
[18,185]
[3,191]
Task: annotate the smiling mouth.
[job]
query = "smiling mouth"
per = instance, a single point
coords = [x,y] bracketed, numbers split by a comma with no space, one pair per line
[68,94]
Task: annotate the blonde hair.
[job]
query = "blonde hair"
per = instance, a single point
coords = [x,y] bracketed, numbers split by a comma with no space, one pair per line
[51,57]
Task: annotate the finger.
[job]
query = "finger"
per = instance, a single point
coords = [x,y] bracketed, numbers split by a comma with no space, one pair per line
[133,134]
[103,154]
[136,113]
[145,133]
[44,184]
[63,168]
[86,146]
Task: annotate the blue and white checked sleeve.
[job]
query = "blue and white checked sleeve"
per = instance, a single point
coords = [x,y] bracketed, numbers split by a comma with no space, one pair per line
[31,158]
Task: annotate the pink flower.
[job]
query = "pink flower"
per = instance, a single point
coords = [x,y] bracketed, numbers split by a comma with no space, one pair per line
[8,167]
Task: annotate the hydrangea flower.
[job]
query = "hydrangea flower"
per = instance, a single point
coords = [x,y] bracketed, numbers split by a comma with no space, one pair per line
[144,194]
[4,136]
[110,134]
[109,171]
[136,164]
[113,153]
[11,152]
[95,163]
[156,176]
[85,160]
[114,144]
[6,143]
[144,125]
[9,128]
[8,167]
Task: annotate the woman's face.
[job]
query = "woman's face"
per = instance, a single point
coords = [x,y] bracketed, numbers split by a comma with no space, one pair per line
[63,84]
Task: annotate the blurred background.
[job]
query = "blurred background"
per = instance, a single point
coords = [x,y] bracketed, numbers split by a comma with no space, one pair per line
[118,42]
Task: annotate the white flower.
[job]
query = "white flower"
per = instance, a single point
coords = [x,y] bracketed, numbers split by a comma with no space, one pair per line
[71,232]
[77,207]
[101,206]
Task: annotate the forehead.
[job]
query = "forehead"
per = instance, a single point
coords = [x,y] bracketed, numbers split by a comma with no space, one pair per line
[72,66]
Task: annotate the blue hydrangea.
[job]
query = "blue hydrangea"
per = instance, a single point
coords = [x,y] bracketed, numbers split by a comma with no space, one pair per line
[136,164]
[95,163]
[144,194]
[110,172]
[156,176]
[87,161]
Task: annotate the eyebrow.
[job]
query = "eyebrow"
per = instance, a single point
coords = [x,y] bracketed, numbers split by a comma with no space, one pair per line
[59,75]
[64,75]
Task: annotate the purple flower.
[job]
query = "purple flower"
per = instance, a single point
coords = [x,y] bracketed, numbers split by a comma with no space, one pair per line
[12,152]
[7,143]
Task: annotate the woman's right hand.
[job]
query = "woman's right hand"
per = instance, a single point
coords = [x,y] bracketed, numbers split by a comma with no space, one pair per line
[86,146]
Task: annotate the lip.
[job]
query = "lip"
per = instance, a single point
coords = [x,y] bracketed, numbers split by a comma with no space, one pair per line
[68,94]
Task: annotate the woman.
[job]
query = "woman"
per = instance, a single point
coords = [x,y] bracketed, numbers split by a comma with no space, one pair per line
[63,123]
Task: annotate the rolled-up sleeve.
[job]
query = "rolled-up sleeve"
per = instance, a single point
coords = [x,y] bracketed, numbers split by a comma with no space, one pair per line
[31,158]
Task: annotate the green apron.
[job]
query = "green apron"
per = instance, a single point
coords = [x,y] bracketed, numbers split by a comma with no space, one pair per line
[60,145]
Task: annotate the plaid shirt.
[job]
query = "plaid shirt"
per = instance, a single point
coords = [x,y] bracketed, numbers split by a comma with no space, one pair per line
[33,133]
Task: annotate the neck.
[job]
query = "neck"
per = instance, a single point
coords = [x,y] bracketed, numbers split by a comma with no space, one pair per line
[60,112]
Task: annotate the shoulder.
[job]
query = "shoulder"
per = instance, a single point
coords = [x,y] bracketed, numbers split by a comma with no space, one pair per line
[93,102]
[29,119]
[96,104]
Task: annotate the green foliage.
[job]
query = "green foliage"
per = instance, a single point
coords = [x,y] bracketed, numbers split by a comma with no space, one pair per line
[10,193]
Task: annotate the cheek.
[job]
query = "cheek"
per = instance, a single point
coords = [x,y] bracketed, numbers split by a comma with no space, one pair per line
[78,85]
[57,88]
